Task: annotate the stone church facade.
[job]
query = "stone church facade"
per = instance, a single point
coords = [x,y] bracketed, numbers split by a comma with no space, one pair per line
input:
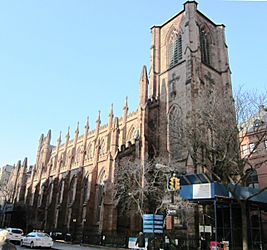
[70,186]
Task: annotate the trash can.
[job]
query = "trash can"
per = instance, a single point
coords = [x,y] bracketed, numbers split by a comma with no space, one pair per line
[225,245]
[215,246]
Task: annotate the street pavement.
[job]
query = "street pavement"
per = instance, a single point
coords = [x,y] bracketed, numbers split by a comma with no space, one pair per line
[63,246]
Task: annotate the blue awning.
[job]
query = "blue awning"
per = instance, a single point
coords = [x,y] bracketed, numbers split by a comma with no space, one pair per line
[204,191]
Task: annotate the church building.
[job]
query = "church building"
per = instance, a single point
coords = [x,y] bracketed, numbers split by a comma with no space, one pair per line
[71,185]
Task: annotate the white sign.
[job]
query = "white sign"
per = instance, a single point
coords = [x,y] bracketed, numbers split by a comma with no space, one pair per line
[171,212]
[204,229]
[202,191]
[132,243]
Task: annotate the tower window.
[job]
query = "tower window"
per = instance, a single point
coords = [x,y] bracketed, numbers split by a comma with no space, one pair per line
[174,49]
[205,47]
[252,147]
[244,149]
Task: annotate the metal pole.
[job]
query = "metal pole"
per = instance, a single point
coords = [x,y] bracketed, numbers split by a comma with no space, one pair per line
[172,202]
[250,228]
[231,226]
[187,238]
[203,221]
[260,227]
[215,217]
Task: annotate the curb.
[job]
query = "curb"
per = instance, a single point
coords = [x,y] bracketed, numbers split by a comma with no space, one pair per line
[87,245]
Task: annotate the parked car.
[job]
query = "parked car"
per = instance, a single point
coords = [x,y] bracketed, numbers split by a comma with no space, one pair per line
[57,235]
[14,234]
[37,239]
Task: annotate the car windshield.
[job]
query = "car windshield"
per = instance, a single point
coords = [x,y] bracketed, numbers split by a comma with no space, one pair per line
[16,231]
[30,235]
[42,235]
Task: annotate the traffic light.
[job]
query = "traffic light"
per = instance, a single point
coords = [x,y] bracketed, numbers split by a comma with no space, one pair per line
[174,184]
[171,184]
[177,184]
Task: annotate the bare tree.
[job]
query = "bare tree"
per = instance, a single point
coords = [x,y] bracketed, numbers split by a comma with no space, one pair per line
[140,187]
[6,192]
[214,134]
[210,138]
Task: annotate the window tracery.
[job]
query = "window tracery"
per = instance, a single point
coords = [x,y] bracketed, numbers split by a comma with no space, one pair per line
[78,155]
[87,188]
[133,134]
[100,194]
[72,190]
[41,196]
[175,132]
[89,151]
[205,45]
[174,48]
[102,148]
[61,195]
[50,196]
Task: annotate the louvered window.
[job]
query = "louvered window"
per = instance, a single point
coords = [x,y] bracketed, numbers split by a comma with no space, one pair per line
[205,47]
[174,50]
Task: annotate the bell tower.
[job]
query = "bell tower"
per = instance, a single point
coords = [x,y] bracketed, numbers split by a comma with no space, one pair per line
[189,65]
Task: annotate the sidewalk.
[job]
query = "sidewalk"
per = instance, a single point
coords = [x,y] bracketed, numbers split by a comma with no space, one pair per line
[59,245]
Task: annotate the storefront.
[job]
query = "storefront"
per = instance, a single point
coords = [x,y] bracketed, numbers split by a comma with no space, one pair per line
[219,214]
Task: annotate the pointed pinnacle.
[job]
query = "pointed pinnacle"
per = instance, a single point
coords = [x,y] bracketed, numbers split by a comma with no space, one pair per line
[68,133]
[98,117]
[126,102]
[111,109]
[77,129]
[59,137]
[49,133]
[41,137]
[86,126]
[19,163]
[116,122]
[144,74]
[24,164]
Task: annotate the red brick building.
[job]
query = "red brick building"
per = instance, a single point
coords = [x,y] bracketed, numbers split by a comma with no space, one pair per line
[253,143]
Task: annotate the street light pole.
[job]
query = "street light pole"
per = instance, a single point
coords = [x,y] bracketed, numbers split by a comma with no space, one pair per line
[83,222]
[74,229]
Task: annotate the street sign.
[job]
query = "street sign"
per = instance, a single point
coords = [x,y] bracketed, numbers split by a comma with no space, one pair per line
[172,212]
[205,229]
[153,223]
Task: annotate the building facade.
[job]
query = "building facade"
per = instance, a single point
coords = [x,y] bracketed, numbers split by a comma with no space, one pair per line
[254,147]
[13,189]
[253,143]
[70,187]
[5,172]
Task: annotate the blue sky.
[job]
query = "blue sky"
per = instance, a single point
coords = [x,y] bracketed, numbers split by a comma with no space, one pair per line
[63,60]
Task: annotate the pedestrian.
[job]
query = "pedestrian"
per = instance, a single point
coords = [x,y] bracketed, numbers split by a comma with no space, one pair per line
[141,242]
[4,242]
[203,243]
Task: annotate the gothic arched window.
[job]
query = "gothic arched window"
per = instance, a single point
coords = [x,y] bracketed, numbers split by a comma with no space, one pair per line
[133,134]
[205,43]
[100,194]
[102,148]
[50,196]
[87,188]
[41,196]
[72,190]
[89,151]
[61,194]
[174,48]
[78,155]
[175,132]
[54,164]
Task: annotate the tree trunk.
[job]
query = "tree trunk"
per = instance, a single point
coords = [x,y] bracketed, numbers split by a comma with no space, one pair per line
[244,225]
